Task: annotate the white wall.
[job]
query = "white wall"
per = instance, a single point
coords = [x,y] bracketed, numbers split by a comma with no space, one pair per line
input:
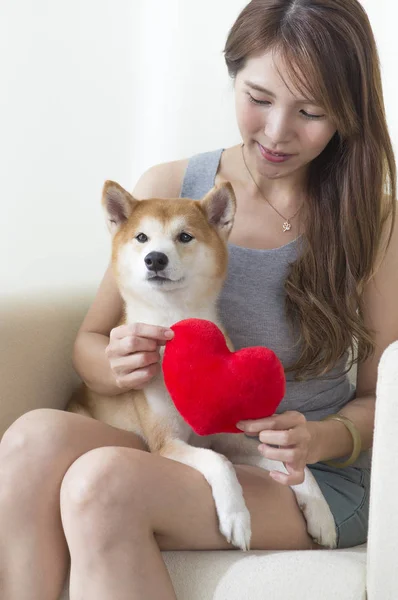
[98,89]
[65,126]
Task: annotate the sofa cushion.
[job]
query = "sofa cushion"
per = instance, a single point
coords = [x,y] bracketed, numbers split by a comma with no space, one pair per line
[275,575]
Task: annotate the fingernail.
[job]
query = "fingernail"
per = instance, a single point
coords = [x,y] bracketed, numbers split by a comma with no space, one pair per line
[169,334]
[240,425]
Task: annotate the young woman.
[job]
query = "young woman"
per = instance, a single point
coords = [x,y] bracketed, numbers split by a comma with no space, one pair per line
[313,275]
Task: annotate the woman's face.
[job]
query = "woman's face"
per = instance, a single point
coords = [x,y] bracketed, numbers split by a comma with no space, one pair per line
[272,117]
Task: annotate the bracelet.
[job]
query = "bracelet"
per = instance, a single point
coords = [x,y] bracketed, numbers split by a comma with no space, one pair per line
[356,437]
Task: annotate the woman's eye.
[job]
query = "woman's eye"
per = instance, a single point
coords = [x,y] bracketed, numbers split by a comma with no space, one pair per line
[255,101]
[185,237]
[303,112]
[142,238]
[309,116]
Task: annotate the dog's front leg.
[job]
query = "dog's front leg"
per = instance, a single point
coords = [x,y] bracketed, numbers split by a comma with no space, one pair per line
[319,518]
[232,512]
[320,522]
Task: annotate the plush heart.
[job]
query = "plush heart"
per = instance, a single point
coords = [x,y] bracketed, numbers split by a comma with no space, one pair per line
[214,388]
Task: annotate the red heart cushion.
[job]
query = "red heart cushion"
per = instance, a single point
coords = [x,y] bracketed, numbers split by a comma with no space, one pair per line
[213,388]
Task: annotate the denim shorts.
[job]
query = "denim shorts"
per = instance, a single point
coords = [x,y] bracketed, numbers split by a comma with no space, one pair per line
[347,493]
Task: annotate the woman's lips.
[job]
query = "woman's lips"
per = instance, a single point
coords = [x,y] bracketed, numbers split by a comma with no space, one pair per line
[275,153]
[272,156]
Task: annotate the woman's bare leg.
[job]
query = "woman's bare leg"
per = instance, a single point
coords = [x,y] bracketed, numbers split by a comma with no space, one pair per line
[121,507]
[35,453]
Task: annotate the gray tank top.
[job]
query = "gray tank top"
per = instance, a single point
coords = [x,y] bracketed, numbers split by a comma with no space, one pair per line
[252,309]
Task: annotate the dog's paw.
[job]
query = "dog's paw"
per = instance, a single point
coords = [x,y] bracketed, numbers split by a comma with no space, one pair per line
[233,515]
[320,521]
[236,528]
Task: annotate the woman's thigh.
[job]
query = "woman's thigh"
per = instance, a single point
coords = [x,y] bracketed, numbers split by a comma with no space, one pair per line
[125,488]
[40,446]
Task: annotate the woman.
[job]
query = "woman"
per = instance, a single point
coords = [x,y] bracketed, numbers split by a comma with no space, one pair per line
[312,270]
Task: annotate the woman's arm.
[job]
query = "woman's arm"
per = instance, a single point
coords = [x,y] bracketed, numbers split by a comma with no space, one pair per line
[89,358]
[331,439]
[380,301]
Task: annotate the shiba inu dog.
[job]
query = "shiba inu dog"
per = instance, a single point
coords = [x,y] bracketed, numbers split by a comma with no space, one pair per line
[170,261]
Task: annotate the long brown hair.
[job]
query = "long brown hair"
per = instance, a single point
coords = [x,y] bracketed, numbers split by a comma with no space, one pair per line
[329,50]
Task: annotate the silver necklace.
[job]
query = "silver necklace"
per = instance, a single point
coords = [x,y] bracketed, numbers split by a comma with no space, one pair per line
[286,225]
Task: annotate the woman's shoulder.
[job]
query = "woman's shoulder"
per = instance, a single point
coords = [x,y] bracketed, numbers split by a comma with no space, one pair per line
[163,180]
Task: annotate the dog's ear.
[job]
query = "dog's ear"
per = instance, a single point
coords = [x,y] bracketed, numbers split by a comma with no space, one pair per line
[219,206]
[118,205]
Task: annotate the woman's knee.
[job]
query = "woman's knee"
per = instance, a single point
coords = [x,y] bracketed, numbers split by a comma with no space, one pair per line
[27,454]
[102,481]
[30,432]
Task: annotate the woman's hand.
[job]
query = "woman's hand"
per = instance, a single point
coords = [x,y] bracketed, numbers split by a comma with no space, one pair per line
[133,353]
[295,437]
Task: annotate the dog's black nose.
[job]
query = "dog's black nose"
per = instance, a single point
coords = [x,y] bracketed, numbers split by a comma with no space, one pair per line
[156,261]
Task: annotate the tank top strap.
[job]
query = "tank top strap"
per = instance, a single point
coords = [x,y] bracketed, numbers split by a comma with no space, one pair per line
[200,174]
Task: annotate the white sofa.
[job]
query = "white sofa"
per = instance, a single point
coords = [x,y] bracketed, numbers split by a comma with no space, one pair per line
[37,335]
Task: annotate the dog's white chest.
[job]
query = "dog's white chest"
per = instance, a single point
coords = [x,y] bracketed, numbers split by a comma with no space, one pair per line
[163,407]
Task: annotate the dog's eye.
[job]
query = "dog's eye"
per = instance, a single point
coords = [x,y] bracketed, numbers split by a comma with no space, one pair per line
[185,237]
[142,238]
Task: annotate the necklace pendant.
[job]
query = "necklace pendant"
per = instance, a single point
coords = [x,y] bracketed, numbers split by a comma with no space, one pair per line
[286,226]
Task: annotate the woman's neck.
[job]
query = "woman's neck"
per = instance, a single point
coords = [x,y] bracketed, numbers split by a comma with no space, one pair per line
[286,194]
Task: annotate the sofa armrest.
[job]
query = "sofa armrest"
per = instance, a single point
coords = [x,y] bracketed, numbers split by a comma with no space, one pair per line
[382,572]
[37,336]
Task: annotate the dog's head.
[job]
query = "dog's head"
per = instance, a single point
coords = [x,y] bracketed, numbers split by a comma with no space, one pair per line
[163,245]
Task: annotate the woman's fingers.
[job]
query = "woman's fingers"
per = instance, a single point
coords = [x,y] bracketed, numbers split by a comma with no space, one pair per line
[143,330]
[295,475]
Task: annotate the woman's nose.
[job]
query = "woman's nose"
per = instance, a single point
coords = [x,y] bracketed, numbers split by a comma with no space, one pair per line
[278,129]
